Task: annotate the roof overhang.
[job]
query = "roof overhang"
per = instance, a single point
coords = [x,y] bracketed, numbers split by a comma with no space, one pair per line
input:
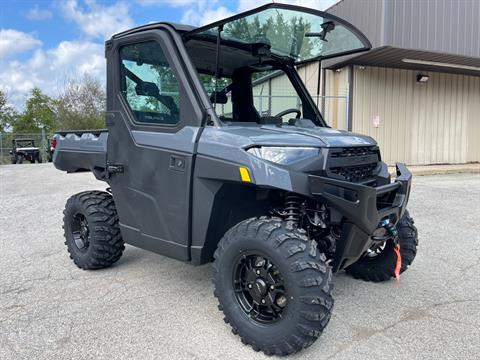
[388,56]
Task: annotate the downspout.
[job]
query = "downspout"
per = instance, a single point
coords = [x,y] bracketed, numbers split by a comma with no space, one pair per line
[323,72]
[386,21]
[318,81]
[350,71]
[321,85]
[270,97]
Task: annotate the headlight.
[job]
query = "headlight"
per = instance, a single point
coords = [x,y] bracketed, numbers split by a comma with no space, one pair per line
[284,155]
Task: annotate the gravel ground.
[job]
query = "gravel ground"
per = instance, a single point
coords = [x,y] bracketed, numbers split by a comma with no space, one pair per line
[151,307]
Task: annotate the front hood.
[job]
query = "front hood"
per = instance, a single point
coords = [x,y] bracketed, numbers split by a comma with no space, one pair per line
[270,135]
[329,137]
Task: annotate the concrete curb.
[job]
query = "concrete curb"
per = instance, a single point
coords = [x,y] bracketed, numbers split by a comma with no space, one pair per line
[441,169]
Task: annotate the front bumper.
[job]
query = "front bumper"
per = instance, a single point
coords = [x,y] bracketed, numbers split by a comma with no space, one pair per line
[363,208]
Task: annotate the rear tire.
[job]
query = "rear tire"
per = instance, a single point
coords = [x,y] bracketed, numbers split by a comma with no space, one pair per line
[301,268]
[381,267]
[92,232]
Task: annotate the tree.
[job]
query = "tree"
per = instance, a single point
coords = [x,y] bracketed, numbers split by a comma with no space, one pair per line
[82,105]
[8,114]
[39,112]
[286,35]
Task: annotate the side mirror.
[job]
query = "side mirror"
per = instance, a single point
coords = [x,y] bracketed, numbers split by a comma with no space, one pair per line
[147,89]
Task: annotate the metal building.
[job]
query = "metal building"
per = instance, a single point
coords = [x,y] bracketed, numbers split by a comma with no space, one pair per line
[417,92]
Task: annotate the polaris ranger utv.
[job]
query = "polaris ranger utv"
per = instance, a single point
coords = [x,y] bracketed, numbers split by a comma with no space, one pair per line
[24,149]
[200,170]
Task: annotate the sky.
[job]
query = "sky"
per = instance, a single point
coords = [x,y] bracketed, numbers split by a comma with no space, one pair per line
[45,43]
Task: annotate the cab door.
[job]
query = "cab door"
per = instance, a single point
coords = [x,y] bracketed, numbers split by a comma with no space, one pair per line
[153,122]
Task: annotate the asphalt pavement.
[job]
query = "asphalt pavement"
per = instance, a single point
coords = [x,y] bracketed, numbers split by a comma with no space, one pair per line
[151,307]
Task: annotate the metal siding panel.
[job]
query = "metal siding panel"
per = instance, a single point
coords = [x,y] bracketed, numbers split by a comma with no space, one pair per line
[433,123]
[365,15]
[446,26]
[472,127]
[311,77]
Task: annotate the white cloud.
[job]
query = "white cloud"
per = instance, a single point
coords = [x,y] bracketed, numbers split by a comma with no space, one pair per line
[36,13]
[202,12]
[98,21]
[50,69]
[203,16]
[15,42]
[244,5]
[173,3]
[216,14]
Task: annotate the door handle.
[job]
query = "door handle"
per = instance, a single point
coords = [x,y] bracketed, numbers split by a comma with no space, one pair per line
[177,163]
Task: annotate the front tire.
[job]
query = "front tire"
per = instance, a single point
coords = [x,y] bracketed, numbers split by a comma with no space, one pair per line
[283,302]
[381,266]
[92,232]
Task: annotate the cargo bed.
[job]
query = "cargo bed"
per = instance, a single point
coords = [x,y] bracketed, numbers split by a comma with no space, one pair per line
[82,150]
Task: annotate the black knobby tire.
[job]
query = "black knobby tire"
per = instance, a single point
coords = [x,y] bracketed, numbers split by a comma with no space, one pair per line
[13,160]
[382,267]
[103,244]
[307,280]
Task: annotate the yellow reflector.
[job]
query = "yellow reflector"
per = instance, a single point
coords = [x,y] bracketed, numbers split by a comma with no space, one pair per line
[245,175]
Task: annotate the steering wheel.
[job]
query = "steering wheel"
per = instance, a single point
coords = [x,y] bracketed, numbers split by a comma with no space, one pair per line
[288,111]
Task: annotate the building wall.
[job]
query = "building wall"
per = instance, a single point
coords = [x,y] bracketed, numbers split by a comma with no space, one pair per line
[366,15]
[336,99]
[444,26]
[432,123]
[333,103]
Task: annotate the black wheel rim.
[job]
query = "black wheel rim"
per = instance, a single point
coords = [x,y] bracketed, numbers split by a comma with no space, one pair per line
[377,251]
[260,288]
[80,232]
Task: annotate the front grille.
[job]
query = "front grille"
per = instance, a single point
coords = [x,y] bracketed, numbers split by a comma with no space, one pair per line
[356,173]
[354,164]
[354,151]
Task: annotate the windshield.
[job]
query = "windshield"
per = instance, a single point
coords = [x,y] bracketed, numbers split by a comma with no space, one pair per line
[257,95]
[24,143]
[297,33]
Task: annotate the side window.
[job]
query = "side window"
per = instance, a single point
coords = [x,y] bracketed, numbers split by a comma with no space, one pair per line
[148,84]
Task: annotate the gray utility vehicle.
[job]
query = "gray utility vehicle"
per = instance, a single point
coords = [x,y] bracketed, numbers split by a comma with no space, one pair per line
[24,149]
[202,166]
